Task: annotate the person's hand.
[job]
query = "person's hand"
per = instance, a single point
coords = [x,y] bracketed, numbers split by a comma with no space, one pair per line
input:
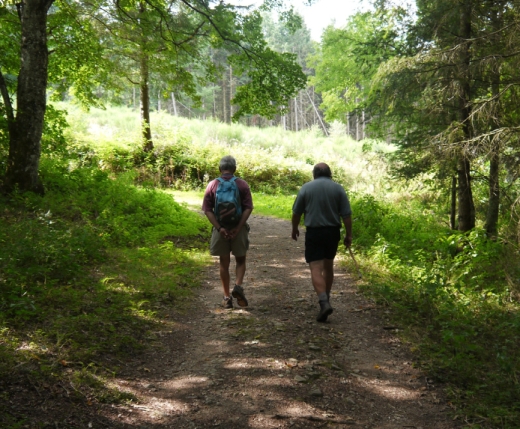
[348,241]
[232,233]
[224,232]
[295,234]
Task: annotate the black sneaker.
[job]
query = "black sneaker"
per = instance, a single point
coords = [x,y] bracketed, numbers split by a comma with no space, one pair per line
[325,311]
[227,302]
[238,293]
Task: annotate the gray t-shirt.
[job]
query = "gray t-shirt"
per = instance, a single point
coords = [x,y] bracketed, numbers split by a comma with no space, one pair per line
[323,202]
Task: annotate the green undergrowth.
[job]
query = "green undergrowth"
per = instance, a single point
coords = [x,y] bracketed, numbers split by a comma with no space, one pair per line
[87,275]
[456,299]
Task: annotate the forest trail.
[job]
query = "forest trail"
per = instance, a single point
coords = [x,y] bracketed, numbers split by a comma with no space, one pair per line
[272,365]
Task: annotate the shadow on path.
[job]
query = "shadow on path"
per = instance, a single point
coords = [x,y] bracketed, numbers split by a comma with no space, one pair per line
[272,365]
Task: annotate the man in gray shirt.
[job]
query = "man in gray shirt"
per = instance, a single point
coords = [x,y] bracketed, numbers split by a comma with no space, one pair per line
[325,205]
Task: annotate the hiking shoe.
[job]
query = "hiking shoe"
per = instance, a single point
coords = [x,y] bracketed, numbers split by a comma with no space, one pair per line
[325,311]
[227,302]
[238,293]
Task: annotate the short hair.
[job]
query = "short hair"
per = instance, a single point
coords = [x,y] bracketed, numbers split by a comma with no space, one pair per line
[228,163]
[321,170]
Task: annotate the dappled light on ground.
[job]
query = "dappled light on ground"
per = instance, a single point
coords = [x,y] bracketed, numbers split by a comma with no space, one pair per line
[271,365]
[187,383]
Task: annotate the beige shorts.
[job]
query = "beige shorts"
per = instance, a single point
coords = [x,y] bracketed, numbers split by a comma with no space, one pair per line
[238,246]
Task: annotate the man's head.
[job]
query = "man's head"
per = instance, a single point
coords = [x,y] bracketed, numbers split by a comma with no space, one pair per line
[321,170]
[228,163]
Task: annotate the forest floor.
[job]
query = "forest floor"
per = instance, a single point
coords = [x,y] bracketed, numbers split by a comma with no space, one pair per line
[271,365]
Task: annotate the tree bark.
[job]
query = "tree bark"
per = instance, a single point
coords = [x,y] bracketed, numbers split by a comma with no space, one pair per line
[26,131]
[174,104]
[296,125]
[466,215]
[224,100]
[494,192]
[363,124]
[144,86]
[453,211]
[230,93]
[357,127]
[8,105]
[145,104]
[494,155]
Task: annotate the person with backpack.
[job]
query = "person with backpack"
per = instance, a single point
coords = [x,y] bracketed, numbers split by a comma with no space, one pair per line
[325,205]
[228,204]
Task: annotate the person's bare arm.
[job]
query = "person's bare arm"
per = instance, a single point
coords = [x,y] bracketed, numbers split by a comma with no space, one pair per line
[213,220]
[295,224]
[347,221]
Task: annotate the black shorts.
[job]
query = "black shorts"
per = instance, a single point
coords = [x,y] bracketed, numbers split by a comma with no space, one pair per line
[321,243]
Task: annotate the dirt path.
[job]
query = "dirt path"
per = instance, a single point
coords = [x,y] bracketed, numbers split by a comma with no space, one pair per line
[272,365]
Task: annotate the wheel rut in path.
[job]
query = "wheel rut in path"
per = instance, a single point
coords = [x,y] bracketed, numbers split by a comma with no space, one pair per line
[272,365]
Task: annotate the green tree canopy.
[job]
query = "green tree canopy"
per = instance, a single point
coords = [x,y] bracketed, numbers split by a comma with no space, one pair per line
[87,43]
[349,57]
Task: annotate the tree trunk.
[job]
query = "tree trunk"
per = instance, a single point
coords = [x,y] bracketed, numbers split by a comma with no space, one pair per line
[466,205]
[214,105]
[317,114]
[494,192]
[453,211]
[362,125]
[494,158]
[466,214]
[357,127]
[174,105]
[296,126]
[145,105]
[224,101]
[145,90]
[26,131]
[230,93]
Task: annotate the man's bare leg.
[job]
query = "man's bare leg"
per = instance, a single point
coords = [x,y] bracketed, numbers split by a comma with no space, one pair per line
[317,277]
[224,273]
[321,275]
[238,290]
[241,269]
[328,274]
